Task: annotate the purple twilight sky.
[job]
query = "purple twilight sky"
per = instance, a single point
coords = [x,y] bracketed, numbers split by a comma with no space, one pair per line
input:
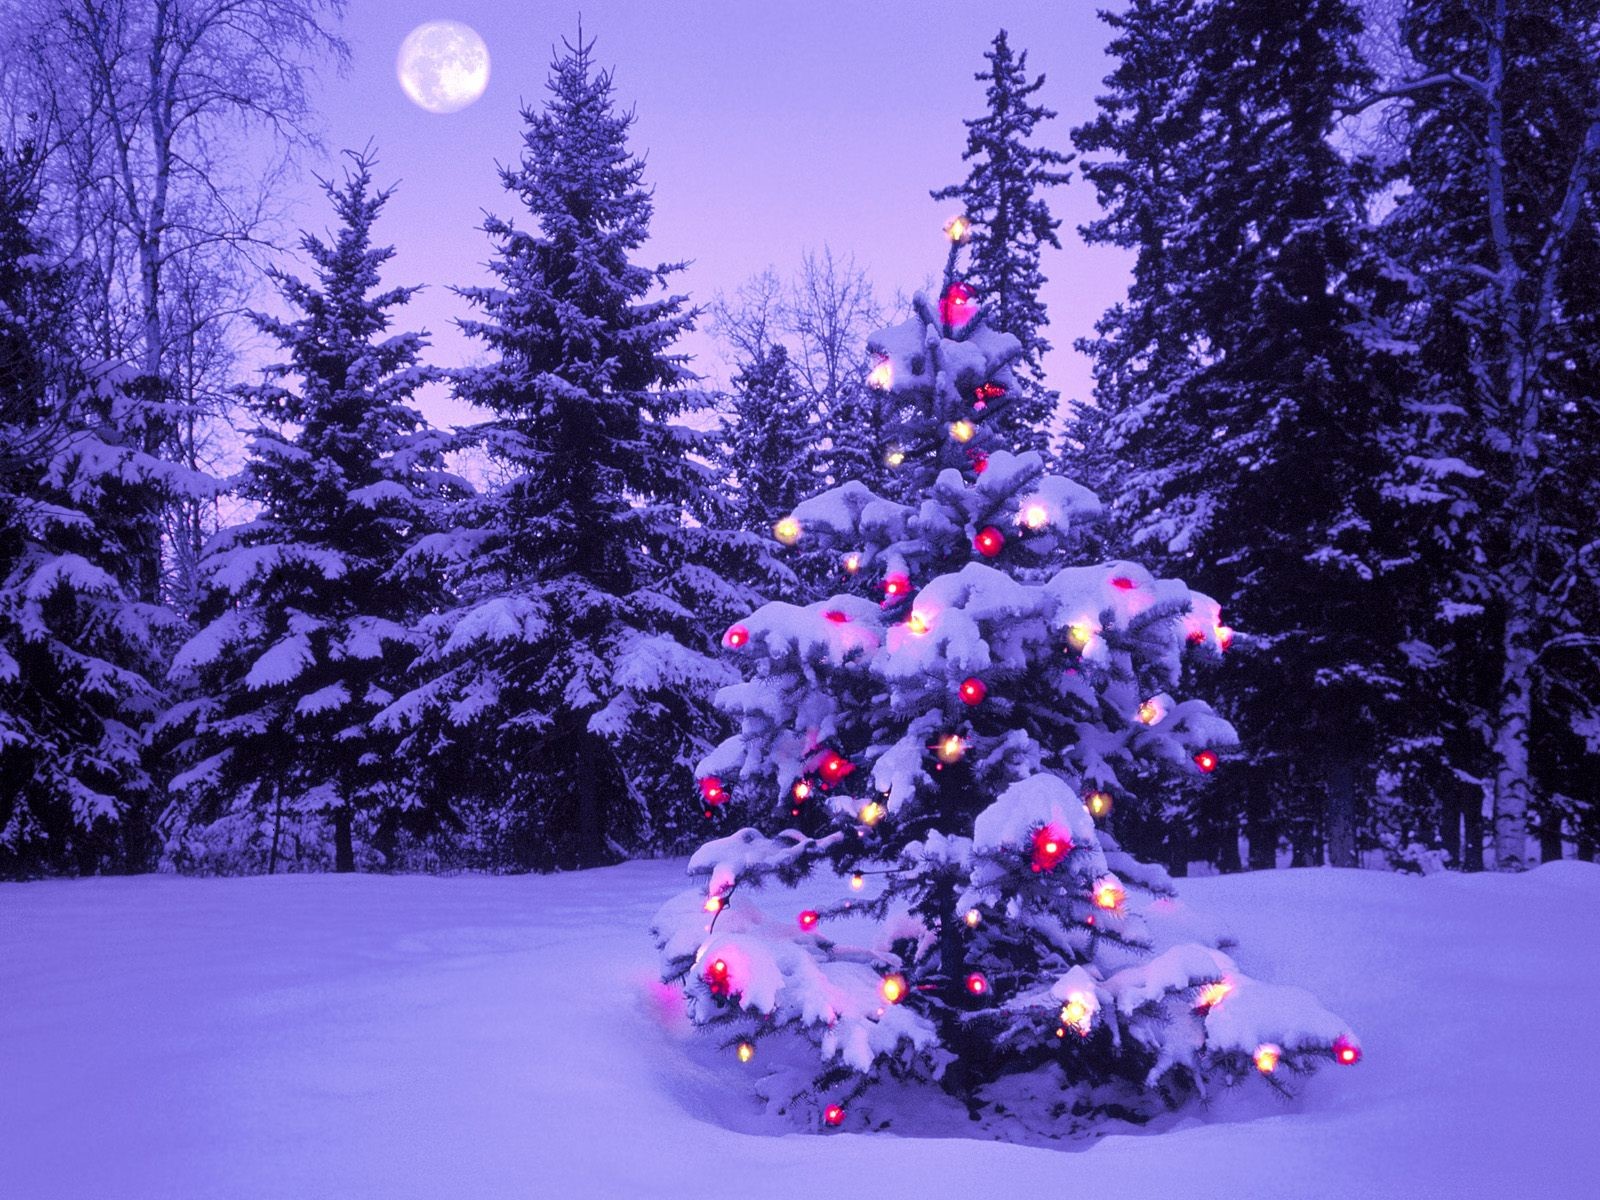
[768,127]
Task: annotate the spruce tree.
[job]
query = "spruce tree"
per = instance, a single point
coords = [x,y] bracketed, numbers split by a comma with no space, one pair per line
[946,735]
[770,456]
[1496,232]
[79,654]
[1241,368]
[306,623]
[573,663]
[1010,225]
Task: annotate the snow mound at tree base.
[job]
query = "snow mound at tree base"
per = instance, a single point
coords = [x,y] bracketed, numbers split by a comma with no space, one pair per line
[393,1037]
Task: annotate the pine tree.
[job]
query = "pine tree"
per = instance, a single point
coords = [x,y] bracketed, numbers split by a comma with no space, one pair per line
[78,653]
[1240,368]
[307,615]
[573,662]
[1495,228]
[1010,224]
[952,735]
[769,450]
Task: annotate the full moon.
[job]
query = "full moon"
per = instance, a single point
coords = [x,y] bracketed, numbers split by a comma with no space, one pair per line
[443,66]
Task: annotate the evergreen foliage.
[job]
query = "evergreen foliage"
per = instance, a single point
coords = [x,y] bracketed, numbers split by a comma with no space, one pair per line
[1011,226]
[306,624]
[574,662]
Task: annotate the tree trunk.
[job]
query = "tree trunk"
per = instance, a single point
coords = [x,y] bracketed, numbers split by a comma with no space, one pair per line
[1260,829]
[1228,860]
[1341,812]
[592,754]
[1513,787]
[1550,847]
[1472,853]
[1450,824]
[277,830]
[344,853]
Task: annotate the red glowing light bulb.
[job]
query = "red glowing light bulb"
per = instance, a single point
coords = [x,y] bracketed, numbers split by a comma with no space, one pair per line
[989,390]
[1050,847]
[989,542]
[712,791]
[808,919]
[896,585]
[833,1115]
[977,984]
[1206,761]
[1346,1051]
[958,305]
[1123,584]
[835,767]
[736,636]
[836,616]
[973,690]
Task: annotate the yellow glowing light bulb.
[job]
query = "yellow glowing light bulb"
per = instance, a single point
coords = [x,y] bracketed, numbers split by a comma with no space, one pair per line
[974,918]
[1099,803]
[871,812]
[893,988]
[787,531]
[958,229]
[951,748]
[917,623]
[963,430]
[802,789]
[894,456]
[857,881]
[713,904]
[1076,1011]
[1036,516]
[1108,894]
[881,377]
[1079,634]
[1212,994]
[746,1051]
[1266,1057]
[1150,712]
[852,563]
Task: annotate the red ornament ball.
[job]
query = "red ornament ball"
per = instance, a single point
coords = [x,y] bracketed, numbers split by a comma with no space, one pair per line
[989,542]
[808,919]
[973,690]
[1206,760]
[736,636]
[958,305]
[977,984]
[833,1115]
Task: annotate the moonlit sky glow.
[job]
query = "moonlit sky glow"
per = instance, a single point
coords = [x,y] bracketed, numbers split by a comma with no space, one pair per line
[768,129]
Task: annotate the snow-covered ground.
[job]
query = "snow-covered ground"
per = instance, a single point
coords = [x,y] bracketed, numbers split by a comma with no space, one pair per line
[479,1037]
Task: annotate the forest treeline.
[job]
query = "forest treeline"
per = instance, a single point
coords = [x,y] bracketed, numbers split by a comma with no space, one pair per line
[1351,393]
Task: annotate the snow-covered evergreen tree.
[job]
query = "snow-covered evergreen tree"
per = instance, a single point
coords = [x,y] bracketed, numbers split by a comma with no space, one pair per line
[1497,232]
[1010,225]
[79,655]
[945,737]
[306,625]
[574,664]
[1242,366]
[770,458]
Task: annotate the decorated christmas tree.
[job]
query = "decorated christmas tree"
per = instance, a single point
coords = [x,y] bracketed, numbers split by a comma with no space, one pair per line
[947,737]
